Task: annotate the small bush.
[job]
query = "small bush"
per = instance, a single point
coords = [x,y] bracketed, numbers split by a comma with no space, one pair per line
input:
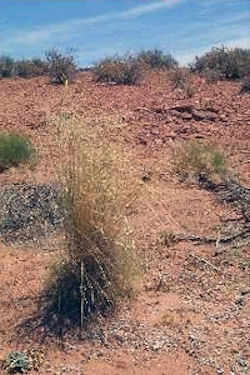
[180,77]
[227,63]
[30,68]
[99,265]
[17,362]
[199,161]
[62,69]
[212,76]
[245,86]
[156,59]
[14,149]
[7,67]
[119,70]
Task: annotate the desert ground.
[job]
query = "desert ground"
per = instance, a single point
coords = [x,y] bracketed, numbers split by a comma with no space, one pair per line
[191,314]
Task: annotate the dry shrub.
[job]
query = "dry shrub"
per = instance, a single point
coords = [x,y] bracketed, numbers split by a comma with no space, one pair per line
[62,69]
[226,63]
[100,265]
[182,79]
[125,70]
[157,59]
[7,67]
[199,161]
[31,68]
[245,85]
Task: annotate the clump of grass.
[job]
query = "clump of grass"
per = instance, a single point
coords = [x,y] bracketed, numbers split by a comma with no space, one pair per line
[200,162]
[14,150]
[121,70]
[99,266]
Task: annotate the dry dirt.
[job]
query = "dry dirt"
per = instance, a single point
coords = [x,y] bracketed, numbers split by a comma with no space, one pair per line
[191,314]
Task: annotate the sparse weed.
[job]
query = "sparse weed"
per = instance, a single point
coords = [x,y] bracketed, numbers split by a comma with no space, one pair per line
[199,161]
[14,149]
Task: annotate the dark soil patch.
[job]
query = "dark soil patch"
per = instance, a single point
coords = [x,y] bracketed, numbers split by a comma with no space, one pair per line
[28,212]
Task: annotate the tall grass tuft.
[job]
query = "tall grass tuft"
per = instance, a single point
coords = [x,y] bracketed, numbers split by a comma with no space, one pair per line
[100,265]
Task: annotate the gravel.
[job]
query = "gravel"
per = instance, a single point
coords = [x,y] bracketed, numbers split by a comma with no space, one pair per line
[29,212]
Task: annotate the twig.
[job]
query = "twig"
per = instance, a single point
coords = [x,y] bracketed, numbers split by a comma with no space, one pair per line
[205,262]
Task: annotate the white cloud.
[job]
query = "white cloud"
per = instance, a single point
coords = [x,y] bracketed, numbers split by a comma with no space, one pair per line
[44,34]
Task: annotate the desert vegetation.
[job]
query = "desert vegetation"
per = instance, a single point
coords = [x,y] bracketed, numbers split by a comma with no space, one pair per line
[200,161]
[14,150]
[100,265]
[223,63]
[127,242]
[125,70]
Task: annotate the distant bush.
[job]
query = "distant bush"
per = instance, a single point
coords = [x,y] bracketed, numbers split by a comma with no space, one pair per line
[14,149]
[99,265]
[125,70]
[227,63]
[199,161]
[156,59]
[212,76]
[245,86]
[26,68]
[182,79]
[30,68]
[61,68]
[7,67]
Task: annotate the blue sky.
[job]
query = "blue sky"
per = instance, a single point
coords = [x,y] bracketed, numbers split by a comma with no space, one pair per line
[100,28]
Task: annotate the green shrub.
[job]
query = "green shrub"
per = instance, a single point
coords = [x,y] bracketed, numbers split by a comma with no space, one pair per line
[17,362]
[99,265]
[14,149]
[125,70]
[227,63]
[156,59]
[7,67]
[61,68]
[199,161]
